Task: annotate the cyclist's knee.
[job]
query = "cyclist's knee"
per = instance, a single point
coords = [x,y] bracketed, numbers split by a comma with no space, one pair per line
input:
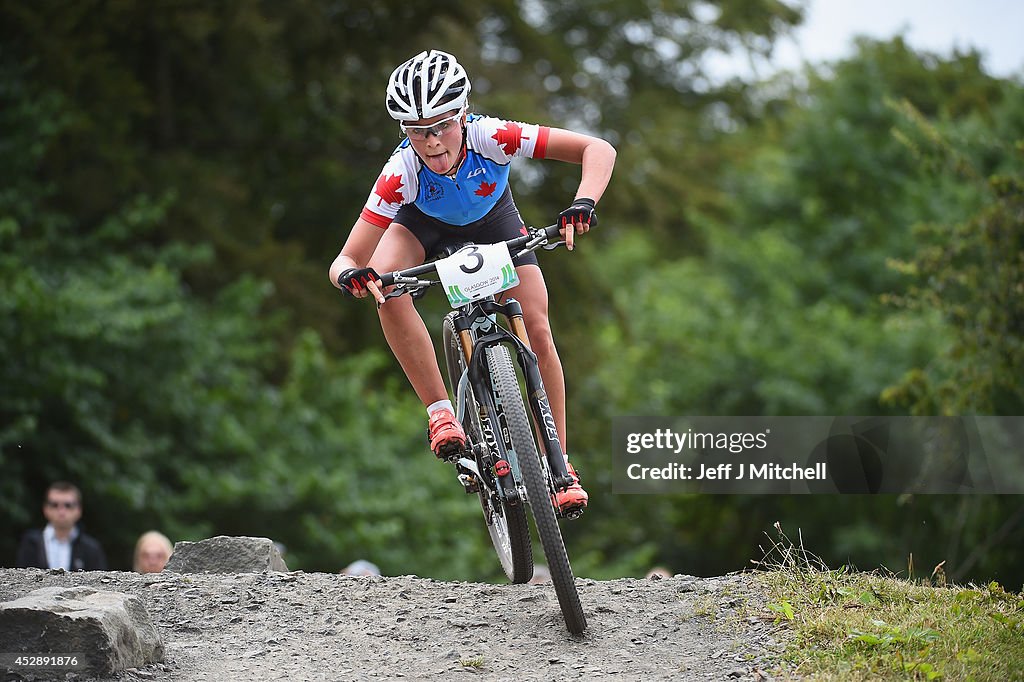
[541,341]
[397,307]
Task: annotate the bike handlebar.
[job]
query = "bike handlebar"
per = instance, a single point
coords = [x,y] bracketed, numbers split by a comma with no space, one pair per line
[542,235]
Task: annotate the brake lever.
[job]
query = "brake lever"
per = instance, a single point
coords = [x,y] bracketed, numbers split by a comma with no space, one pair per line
[545,241]
[399,290]
[402,288]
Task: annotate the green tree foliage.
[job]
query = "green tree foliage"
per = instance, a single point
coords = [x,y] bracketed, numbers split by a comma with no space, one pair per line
[781,310]
[972,273]
[836,180]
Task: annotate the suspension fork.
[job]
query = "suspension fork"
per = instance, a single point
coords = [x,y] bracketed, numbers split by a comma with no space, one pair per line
[479,375]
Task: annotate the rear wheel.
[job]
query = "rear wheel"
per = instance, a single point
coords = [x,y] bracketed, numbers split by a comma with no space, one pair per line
[506,524]
[535,477]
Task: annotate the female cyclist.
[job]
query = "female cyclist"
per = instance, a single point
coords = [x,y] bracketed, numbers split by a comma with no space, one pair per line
[448,182]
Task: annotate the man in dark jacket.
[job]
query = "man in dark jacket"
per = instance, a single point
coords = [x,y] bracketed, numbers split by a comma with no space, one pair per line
[61,544]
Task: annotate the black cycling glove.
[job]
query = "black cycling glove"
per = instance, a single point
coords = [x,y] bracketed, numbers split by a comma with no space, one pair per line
[582,211]
[355,279]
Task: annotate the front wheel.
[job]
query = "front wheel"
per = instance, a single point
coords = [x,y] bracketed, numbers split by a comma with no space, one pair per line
[506,524]
[506,388]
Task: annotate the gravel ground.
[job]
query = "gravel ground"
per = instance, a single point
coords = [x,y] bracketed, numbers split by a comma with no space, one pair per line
[319,626]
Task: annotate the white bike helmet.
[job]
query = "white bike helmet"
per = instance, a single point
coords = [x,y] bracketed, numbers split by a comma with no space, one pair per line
[429,84]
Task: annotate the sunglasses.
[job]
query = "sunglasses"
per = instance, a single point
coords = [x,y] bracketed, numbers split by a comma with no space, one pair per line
[438,128]
[56,505]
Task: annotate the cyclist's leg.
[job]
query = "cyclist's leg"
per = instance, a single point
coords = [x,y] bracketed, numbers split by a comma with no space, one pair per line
[532,294]
[410,341]
[403,327]
[502,223]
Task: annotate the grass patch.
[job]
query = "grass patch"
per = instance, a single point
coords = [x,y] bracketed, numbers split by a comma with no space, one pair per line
[704,606]
[847,625]
[476,662]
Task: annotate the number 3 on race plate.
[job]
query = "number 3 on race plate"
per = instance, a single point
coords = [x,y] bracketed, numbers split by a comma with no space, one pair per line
[475,272]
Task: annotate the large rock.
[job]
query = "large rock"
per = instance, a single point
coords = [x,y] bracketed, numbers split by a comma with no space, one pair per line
[104,631]
[224,554]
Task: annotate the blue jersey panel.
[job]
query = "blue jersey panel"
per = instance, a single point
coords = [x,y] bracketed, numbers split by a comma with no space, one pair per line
[468,196]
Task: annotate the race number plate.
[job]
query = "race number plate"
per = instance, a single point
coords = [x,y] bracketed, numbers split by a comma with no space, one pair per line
[475,272]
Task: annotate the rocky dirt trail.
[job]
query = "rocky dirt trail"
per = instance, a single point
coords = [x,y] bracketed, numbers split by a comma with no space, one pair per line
[317,626]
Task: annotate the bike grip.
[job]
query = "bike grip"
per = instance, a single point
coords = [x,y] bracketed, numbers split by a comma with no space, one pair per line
[553,231]
[385,280]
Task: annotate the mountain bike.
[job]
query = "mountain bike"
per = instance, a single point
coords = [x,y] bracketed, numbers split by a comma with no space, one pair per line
[501,463]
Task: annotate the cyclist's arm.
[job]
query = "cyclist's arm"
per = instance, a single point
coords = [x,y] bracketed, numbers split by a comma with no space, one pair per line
[360,245]
[595,155]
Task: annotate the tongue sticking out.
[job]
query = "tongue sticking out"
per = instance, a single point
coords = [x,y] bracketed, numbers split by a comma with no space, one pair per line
[439,163]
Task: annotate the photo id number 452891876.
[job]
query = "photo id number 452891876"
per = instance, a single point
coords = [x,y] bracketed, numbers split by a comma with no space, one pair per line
[15,661]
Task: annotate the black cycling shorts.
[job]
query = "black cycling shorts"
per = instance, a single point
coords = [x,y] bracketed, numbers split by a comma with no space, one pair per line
[501,223]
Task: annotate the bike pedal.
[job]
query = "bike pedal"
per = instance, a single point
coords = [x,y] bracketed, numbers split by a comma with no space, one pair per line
[470,483]
[450,452]
[571,514]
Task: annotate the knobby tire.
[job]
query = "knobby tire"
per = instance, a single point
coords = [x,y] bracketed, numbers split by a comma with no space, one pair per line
[520,432]
[517,559]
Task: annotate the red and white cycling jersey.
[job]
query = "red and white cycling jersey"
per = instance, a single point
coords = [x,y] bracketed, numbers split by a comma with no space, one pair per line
[491,144]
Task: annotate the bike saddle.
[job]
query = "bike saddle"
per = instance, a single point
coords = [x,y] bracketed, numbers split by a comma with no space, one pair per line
[447,249]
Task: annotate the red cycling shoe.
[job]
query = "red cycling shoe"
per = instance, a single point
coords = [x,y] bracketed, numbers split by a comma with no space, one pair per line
[445,434]
[573,500]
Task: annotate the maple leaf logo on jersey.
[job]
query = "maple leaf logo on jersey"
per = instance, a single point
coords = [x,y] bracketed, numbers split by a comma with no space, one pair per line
[509,138]
[387,189]
[486,189]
